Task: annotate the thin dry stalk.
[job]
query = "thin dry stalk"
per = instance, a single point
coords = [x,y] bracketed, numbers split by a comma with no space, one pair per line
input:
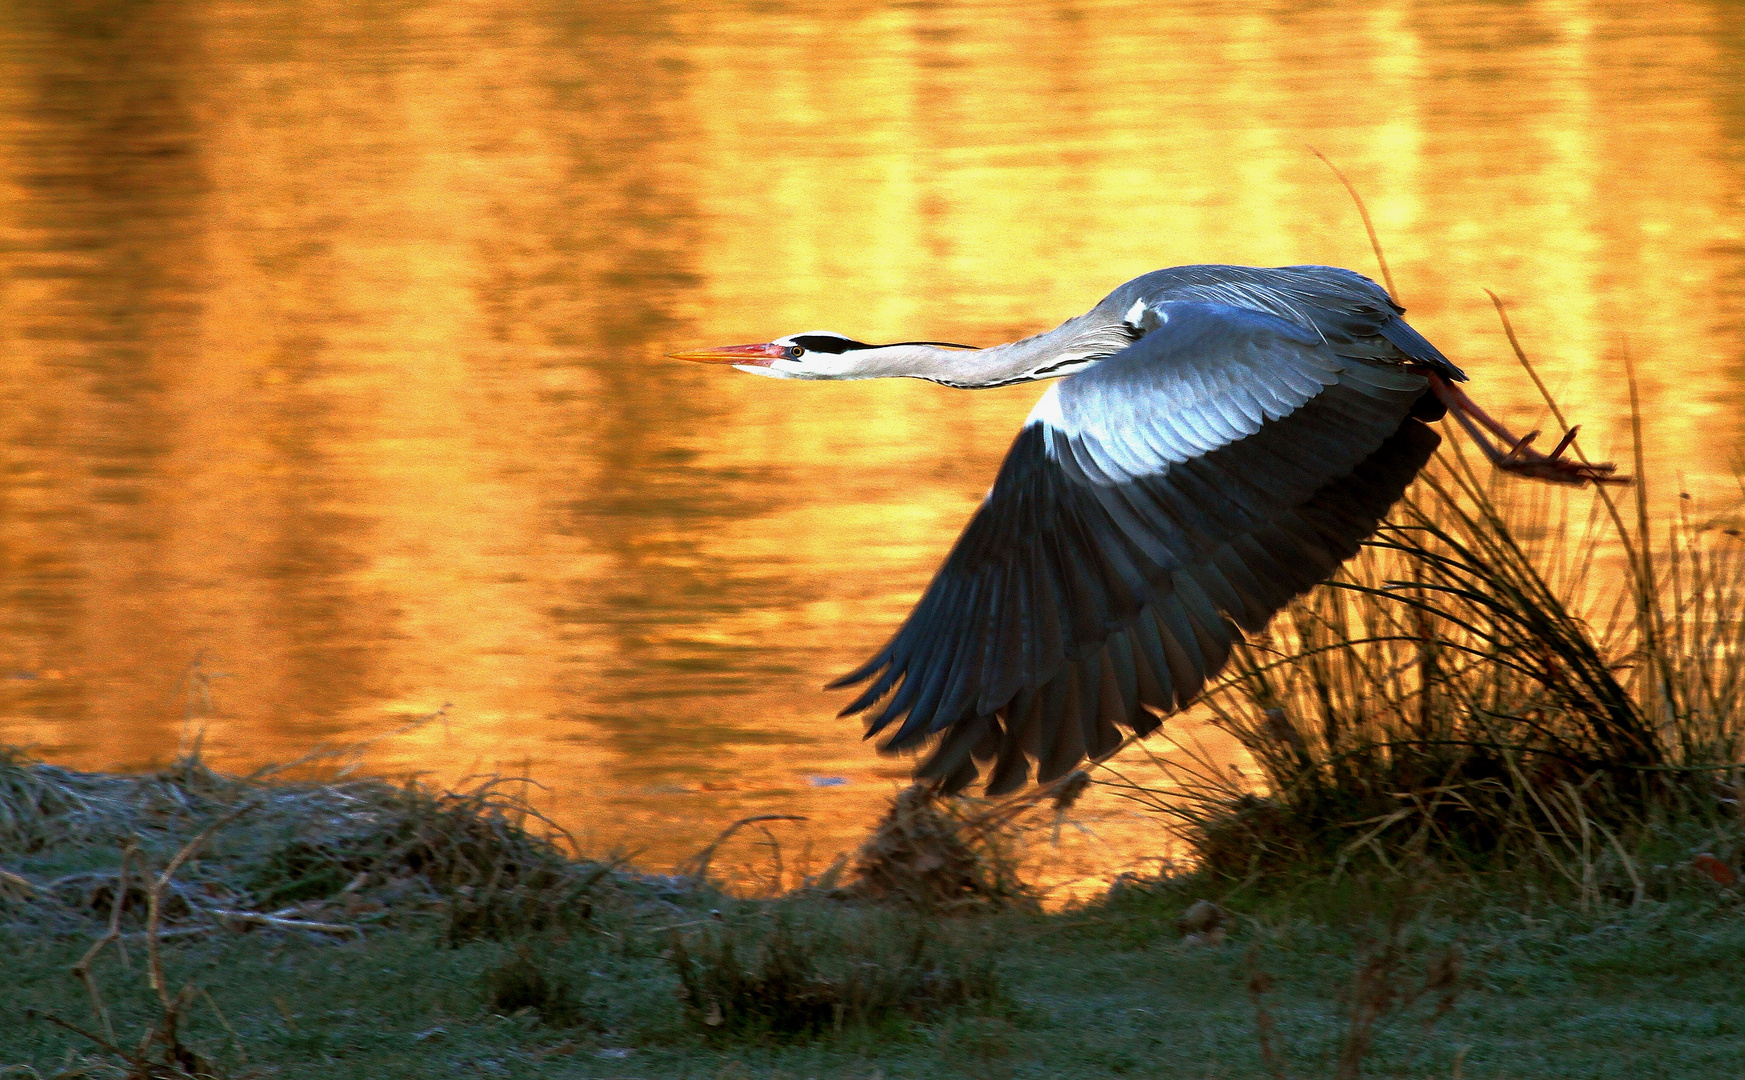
[1259,985]
[1377,993]
[235,1039]
[1368,226]
[279,922]
[1374,995]
[697,869]
[777,874]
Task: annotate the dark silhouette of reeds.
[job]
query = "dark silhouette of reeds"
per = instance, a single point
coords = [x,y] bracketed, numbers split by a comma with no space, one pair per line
[1486,683]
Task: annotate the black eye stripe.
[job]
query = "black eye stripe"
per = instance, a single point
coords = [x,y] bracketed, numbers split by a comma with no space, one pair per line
[830,344]
[826,344]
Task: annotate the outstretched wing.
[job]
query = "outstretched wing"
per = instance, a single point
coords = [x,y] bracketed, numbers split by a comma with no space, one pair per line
[1151,509]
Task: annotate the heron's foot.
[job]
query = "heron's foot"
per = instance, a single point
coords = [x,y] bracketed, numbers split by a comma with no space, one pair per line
[1516,453]
[1523,460]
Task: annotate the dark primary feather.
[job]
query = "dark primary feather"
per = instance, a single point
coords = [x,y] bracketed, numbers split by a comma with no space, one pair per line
[1225,463]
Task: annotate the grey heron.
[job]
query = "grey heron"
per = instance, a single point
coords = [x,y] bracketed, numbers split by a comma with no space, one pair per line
[1218,440]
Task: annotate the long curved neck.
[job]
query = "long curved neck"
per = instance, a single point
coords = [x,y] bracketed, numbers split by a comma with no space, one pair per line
[1067,348]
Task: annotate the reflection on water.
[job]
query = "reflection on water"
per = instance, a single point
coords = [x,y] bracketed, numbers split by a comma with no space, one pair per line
[334,391]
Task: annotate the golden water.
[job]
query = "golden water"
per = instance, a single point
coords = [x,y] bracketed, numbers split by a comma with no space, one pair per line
[333,383]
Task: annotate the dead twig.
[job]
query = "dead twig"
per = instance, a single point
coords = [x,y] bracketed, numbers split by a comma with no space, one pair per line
[103,1044]
[177,1058]
[82,969]
[154,907]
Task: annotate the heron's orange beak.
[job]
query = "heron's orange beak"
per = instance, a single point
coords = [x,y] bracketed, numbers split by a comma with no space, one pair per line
[754,355]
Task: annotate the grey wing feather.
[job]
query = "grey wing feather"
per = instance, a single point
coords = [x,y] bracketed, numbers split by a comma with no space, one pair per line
[1155,506]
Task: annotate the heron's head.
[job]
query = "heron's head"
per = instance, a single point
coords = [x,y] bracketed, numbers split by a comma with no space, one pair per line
[820,354]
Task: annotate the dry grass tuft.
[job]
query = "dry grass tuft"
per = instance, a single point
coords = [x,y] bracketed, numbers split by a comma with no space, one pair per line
[940,855]
[521,984]
[982,1047]
[36,804]
[361,849]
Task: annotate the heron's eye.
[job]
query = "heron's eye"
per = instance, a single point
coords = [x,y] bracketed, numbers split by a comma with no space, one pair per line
[794,352]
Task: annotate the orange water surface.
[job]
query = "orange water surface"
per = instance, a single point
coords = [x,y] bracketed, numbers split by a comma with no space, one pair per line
[333,333]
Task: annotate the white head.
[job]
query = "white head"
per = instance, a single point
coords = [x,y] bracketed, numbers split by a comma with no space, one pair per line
[825,354]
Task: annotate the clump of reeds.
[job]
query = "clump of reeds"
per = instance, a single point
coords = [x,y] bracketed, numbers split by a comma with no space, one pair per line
[1481,687]
[785,973]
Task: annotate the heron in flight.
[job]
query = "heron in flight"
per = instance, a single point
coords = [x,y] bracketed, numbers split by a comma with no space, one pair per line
[1217,441]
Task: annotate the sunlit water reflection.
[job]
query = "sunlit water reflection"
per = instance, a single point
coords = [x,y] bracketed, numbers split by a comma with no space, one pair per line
[333,335]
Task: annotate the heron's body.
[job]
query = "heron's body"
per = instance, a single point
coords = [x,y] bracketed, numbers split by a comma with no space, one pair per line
[1220,439]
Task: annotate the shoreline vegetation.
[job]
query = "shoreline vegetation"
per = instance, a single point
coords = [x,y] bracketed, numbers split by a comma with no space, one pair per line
[1492,825]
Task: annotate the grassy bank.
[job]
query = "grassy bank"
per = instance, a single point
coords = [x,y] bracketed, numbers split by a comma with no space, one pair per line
[366,930]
